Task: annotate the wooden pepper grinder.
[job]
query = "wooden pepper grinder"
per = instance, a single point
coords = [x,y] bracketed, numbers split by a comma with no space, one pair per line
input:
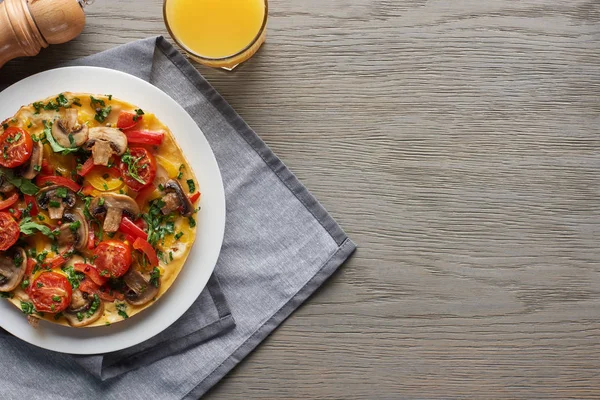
[28,25]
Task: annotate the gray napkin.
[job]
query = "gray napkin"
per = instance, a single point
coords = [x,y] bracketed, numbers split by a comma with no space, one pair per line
[280,245]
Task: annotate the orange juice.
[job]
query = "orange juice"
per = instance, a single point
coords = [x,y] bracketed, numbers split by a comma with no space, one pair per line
[219,33]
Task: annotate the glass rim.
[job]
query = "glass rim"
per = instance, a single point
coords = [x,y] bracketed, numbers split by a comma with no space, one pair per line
[201,57]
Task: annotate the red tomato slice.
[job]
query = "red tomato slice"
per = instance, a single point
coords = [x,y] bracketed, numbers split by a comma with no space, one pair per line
[15,147]
[145,166]
[91,272]
[144,246]
[128,120]
[50,292]
[145,137]
[87,166]
[112,257]
[129,228]
[9,231]
[58,180]
[4,204]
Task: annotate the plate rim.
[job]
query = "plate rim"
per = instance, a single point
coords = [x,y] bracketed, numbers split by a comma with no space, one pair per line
[217,202]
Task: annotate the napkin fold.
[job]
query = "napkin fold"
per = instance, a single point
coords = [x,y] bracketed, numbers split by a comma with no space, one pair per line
[280,245]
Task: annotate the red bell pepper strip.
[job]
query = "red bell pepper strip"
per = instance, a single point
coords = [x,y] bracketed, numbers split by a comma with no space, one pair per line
[103,292]
[145,137]
[58,180]
[47,169]
[16,213]
[195,197]
[58,261]
[87,190]
[87,166]
[4,204]
[128,120]
[91,273]
[30,266]
[31,200]
[147,249]
[129,228]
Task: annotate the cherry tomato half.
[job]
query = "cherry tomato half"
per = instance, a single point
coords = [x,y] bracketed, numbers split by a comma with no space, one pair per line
[15,147]
[113,257]
[50,292]
[9,231]
[140,170]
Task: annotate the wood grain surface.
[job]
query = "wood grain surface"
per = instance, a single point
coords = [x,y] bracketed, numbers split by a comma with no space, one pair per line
[457,142]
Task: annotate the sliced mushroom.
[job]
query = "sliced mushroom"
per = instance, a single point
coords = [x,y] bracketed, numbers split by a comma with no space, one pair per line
[76,313]
[105,142]
[48,199]
[175,199]
[68,132]
[140,291]
[12,268]
[112,206]
[33,166]
[5,185]
[74,231]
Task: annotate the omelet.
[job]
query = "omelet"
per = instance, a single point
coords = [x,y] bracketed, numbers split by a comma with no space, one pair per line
[97,209]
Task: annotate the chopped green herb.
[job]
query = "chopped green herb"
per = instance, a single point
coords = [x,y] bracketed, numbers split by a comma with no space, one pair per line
[38,106]
[138,113]
[25,283]
[29,125]
[179,235]
[56,298]
[51,106]
[121,310]
[192,222]
[57,316]
[74,277]
[93,307]
[62,101]
[73,226]
[27,307]
[61,192]
[154,277]
[37,168]
[191,185]
[53,204]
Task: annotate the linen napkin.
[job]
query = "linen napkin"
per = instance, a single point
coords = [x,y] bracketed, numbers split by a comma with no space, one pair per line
[280,245]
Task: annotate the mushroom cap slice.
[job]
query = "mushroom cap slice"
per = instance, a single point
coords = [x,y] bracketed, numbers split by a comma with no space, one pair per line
[68,126]
[80,304]
[5,185]
[31,169]
[48,194]
[105,142]
[175,198]
[141,291]
[13,264]
[71,235]
[112,206]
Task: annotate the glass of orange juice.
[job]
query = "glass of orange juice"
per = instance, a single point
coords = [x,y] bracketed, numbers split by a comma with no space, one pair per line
[218,33]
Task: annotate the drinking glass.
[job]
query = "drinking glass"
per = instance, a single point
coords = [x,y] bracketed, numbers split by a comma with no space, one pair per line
[217,33]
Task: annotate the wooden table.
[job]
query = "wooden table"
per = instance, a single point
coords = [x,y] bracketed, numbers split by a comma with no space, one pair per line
[457,142]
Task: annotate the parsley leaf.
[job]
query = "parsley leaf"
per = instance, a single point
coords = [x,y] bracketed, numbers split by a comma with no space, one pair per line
[24,185]
[28,227]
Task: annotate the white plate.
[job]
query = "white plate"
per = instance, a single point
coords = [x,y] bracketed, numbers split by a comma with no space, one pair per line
[211,217]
